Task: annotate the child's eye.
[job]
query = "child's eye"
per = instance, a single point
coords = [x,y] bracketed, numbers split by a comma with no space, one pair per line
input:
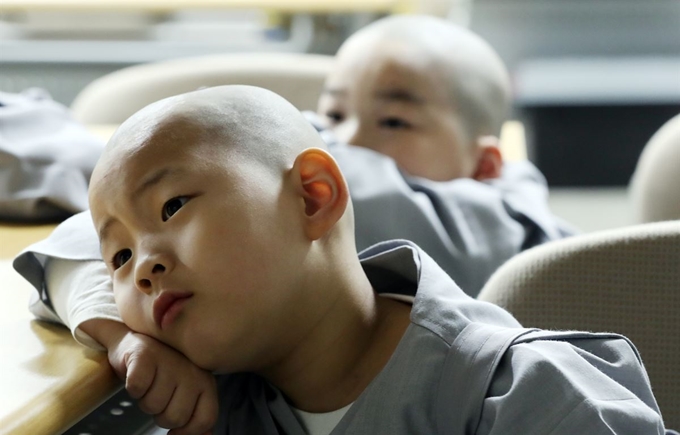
[394,123]
[172,206]
[335,116]
[120,258]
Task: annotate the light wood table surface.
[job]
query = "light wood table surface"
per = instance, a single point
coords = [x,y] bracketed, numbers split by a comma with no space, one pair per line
[162,6]
[48,382]
[15,237]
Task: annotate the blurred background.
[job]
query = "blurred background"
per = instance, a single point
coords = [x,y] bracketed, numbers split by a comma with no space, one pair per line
[593,79]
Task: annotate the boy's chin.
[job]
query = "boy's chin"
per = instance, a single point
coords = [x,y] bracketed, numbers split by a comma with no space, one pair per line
[206,359]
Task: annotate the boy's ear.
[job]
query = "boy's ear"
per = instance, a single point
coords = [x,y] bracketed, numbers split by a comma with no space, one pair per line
[489,158]
[323,189]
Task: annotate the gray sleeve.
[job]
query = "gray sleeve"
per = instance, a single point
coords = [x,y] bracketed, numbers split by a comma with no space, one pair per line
[554,388]
[470,228]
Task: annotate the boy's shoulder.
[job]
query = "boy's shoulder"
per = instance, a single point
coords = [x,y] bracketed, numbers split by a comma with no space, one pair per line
[399,268]
[458,344]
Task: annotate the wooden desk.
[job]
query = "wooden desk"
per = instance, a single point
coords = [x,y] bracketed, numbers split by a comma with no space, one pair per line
[47,381]
[163,6]
[14,238]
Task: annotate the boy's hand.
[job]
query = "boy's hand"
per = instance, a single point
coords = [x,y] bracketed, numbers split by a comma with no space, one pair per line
[179,395]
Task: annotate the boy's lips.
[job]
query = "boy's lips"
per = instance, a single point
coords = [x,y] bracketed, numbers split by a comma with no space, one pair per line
[168,305]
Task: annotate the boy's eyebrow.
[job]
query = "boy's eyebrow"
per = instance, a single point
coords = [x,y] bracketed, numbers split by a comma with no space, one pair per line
[148,182]
[153,179]
[104,230]
[400,95]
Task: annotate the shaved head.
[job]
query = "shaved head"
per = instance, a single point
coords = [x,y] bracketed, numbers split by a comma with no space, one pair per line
[243,120]
[478,82]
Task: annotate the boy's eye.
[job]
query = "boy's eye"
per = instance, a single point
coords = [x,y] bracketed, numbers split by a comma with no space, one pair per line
[394,123]
[120,258]
[335,116]
[172,206]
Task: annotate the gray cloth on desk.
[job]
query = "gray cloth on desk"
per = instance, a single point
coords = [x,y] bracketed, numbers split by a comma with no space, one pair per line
[46,159]
[466,367]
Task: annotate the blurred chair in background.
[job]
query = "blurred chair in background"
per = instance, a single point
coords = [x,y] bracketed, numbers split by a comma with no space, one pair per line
[113,98]
[625,281]
[655,186]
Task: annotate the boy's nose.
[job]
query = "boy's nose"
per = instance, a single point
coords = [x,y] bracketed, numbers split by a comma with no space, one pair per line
[150,270]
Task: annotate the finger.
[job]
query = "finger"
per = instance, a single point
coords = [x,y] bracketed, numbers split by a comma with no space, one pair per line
[159,394]
[117,365]
[181,407]
[140,376]
[203,418]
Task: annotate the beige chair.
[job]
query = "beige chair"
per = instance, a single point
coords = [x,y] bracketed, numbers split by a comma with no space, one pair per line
[625,281]
[655,186]
[113,98]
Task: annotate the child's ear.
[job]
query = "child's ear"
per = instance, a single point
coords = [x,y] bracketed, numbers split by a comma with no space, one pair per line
[489,158]
[323,188]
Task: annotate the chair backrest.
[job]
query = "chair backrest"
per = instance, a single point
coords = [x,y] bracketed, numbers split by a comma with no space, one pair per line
[111,99]
[625,281]
[655,185]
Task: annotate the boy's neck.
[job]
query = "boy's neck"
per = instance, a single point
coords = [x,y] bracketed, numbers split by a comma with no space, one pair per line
[331,366]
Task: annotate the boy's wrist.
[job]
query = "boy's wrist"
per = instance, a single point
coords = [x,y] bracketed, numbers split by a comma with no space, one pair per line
[106,332]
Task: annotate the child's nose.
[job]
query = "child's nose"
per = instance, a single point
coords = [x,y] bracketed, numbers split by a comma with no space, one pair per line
[149,271]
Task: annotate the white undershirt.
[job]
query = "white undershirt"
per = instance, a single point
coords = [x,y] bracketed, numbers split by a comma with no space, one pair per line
[321,423]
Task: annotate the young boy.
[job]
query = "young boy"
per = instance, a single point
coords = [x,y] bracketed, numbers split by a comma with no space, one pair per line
[433,97]
[235,246]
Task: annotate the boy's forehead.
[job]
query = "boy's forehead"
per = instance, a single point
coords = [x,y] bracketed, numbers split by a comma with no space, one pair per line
[168,140]
[398,67]
[153,133]
[140,149]
[365,52]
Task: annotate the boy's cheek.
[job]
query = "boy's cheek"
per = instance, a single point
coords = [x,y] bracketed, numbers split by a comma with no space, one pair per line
[132,311]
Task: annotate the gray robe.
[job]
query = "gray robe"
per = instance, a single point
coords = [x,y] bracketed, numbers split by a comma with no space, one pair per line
[466,367]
